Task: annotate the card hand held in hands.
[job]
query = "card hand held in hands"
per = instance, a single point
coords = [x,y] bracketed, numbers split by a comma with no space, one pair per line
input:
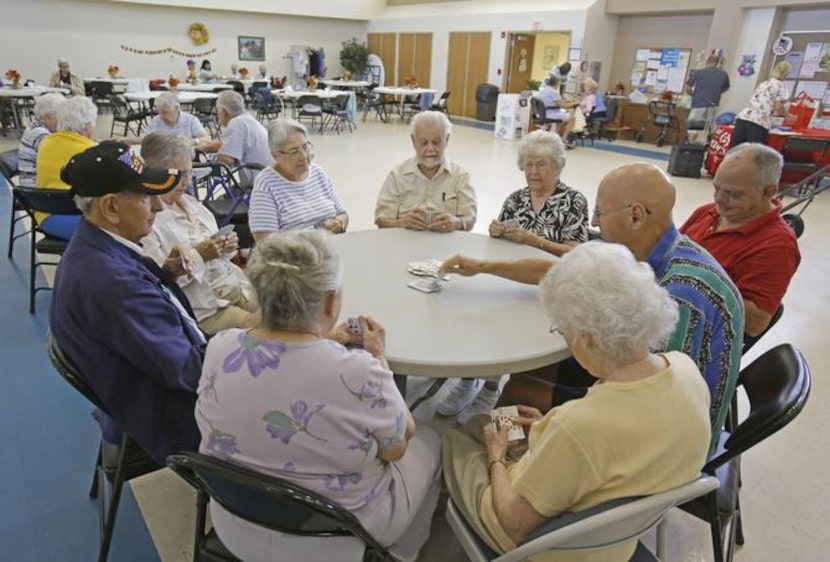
[504,416]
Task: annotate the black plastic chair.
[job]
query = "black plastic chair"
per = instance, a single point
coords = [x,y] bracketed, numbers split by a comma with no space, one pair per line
[9,170]
[267,105]
[263,500]
[778,385]
[205,111]
[441,104]
[337,113]
[228,193]
[53,202]
[123,113]
[373,101]
[310,107]
[128,459]
[100,92]
[540,118]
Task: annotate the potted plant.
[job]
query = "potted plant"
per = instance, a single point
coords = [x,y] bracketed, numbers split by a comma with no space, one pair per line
[533,84]
[354,57]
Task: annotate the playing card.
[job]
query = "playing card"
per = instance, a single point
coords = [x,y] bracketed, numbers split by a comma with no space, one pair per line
[505,415]
[427,268]
[353,326]
[425,285]
[511,223]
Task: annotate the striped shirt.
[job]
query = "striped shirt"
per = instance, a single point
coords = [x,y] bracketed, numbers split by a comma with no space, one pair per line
[278,204]
[27,152]
[711,325]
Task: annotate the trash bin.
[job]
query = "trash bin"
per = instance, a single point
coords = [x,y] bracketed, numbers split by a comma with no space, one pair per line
[487,96]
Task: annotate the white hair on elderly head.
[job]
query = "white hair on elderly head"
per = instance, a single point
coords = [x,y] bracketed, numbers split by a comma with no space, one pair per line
[434,117]
[84,204]
[47,105]
[231,101]
[601,290]
[161,150]
[292,272]
[62,62]
[768,162]
[280,129]
[76,114]
[545,143]
[167,100]
[590,83]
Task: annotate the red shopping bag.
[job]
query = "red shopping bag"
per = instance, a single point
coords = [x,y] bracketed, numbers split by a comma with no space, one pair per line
[800,112]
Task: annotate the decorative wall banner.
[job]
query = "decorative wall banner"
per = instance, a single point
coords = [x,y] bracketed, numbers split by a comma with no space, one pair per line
[166,50]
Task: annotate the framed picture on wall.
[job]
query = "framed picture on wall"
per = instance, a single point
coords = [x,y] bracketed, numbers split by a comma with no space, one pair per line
[551,56]
[251,48]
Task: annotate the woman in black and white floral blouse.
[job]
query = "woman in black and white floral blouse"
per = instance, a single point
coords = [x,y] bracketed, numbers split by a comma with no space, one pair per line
[547,213]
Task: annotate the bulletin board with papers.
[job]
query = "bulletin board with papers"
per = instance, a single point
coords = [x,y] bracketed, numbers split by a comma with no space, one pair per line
[809,58]
[658,70]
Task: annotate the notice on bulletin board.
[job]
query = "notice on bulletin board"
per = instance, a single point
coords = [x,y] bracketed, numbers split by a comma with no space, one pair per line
[658,70]
[812,55]
[814,89]
[790,84]
[642,54]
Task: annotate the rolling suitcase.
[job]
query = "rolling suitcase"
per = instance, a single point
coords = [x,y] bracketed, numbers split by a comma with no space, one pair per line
[686,160]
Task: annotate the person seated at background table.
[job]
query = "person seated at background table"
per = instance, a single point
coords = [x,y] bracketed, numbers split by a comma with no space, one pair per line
[429,191]
[192,73]
[245,140]
[592,104]
[262,73]
[206,74]
[743,229]
[557,108]
[752,122]
[63,78]
[235,72]
[218,291]
[44,122]
[117,316]
[288,399]
[294,193]
[641,430]
[171,119]
[77,117]
[634,207]
[550,215]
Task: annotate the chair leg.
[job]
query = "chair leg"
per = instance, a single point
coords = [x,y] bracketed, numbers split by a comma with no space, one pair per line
[739,526]
[93,490]
[32,273]
[201,516]
[12,222]
[717,529]
[112,509]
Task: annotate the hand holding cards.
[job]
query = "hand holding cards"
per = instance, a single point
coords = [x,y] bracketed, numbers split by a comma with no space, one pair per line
[504,416]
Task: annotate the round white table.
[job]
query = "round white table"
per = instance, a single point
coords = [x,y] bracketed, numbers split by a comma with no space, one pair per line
[346,84]
[481,326]
[30,91]
[184,97]
[204,87]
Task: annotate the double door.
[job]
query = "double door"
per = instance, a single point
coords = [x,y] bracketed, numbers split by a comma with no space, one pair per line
[467,64]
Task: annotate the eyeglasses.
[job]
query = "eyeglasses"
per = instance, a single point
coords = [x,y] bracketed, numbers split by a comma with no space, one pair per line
[556,330]
[297,153]
[598,213]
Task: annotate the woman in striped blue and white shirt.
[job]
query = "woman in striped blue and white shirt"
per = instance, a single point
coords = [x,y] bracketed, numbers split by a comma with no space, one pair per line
[294,193]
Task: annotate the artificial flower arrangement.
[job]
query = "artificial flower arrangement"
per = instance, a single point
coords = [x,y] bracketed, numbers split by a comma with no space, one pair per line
[112,70]
[619,88]
[667,96]
[410,81]
[172,81]
[311,82]
[243,72]
[14,76]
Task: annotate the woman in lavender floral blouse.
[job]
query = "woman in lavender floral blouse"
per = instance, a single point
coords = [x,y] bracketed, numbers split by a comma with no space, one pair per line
[290,400]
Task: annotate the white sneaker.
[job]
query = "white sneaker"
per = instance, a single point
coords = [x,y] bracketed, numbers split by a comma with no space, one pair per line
[483,403]
[459,397]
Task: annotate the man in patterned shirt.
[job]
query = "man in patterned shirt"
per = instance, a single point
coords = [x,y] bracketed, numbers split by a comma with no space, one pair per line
[634,208]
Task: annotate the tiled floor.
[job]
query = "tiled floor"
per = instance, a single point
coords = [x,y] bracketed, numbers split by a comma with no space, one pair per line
[784,496]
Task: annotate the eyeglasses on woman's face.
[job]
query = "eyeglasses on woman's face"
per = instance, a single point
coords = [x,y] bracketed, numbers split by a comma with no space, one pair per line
[299,152]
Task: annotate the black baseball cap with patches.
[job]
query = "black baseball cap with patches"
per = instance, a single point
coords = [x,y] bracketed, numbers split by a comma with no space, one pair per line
[112,167]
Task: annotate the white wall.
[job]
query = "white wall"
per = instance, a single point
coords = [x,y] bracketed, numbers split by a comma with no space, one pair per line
[496,17]
[754,34]
[795,19]
[34,33]
[600,40]
[347,9]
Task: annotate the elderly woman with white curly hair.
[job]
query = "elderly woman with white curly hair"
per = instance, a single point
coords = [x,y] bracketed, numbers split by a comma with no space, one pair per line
[290,400]
[547,214]
[294,193]
[642,429]
[45,121]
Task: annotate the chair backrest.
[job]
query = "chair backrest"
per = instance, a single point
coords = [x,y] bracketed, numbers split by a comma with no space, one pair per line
[204,106]
[268,501]
[46,200]
[797,143]
[309,104]
[605,525]
[69,372]
[100,89]
[778,385]
[237,86]
[9,162]
[538,109]
[749,341]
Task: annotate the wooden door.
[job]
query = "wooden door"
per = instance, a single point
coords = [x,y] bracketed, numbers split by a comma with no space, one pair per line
[415,57]
[385,46]
[521,62]
[468,60]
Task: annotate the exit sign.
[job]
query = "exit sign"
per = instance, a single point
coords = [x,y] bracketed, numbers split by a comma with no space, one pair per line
[536,25]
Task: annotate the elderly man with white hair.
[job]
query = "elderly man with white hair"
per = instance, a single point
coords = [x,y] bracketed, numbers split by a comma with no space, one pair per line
[76,125]
[171,119]
[63,78]
[245,140]
[429,191]
[44,122]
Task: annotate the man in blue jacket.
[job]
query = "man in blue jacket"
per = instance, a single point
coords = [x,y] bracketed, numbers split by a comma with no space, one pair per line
[116,315]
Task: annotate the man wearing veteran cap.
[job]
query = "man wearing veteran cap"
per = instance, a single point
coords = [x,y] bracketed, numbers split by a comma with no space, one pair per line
[116,315]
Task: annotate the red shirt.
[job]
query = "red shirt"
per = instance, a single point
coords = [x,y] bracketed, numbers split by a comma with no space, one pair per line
[761,256]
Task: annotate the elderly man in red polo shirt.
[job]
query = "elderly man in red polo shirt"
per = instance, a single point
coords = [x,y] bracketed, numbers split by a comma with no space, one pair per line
[744,231]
